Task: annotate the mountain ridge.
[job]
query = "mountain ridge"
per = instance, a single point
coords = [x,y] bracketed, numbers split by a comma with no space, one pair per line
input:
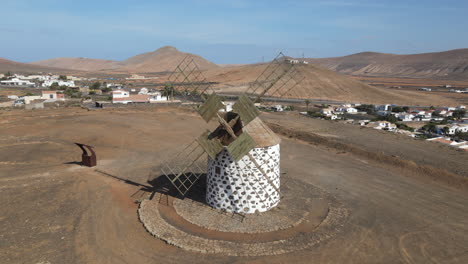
[445,64]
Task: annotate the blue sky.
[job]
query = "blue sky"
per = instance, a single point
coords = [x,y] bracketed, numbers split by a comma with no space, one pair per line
[237,31]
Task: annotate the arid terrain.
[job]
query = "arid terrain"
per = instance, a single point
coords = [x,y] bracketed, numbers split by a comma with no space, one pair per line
[407,198]
[320,83]
[450,64]
[13,66]
[359,78]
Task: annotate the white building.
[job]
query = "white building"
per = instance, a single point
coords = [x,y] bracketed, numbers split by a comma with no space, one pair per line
[17,82]
[49,95]
[327,111]
[405,116]
[277,108]
[157,97]
[452,130]
[52,96]
[124,97]
[351,110]
[143,91]
[120,93]
[383,125]
[48,83]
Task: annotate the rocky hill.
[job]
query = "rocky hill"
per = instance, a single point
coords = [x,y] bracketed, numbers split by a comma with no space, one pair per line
[161,60]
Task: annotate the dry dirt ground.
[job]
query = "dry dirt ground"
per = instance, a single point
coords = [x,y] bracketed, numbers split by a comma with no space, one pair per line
[55,211]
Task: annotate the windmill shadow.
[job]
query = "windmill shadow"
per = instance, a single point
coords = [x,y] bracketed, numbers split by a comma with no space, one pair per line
[162,185]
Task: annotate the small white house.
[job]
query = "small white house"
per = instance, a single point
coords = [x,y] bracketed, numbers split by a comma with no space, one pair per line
[277,108]
[383,125]
[156,97]
[405,117]
[143,91]
[124,97]
[120,93]
[351,110]
[327,111]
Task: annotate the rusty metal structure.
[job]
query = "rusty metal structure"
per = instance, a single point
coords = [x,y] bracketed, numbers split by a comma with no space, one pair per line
[240,141]
[88,157]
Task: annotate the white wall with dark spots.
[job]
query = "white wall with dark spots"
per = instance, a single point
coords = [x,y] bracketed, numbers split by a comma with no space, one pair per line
[242,187]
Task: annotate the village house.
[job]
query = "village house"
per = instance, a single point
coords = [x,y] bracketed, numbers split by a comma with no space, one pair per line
[52,96]
[404,116]
[361,122]
[327,111]
[124,97]
[155,97]
[383,125]
[277,108]
[443,113]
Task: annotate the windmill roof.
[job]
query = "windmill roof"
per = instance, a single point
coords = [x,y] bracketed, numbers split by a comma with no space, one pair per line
[261,133]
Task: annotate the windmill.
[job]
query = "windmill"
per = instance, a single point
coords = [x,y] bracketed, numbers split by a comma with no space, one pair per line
[241,156]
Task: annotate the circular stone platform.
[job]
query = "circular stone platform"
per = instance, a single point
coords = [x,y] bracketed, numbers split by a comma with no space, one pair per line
[292,211]
[305,217]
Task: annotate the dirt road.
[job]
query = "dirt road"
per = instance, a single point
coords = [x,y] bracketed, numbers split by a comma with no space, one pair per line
[54,211]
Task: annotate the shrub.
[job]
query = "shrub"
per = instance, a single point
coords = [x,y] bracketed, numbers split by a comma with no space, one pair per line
[368,108]
[404,127]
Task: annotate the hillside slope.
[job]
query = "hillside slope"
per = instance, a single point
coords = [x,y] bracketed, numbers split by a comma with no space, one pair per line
[81,64]
[18,67]
[448,64]
[320,83]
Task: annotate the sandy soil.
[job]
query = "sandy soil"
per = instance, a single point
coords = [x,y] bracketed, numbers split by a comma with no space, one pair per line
[55,211]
